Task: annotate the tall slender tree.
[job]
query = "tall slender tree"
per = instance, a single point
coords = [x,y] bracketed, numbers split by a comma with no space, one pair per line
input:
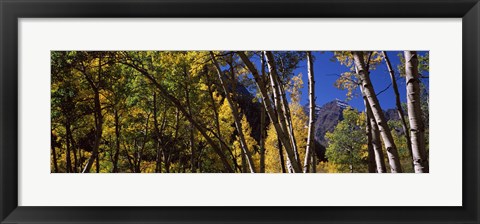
[371,153]
[398,102]
[375,138]
[311,116]
[95,85]
[262,123]
[377,111]
[282,105]
[417,128]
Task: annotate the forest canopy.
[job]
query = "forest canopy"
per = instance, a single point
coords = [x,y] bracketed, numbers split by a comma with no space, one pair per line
[239,112]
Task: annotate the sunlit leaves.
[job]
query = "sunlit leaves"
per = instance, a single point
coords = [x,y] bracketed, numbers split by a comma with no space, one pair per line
[347,143]
[348,80]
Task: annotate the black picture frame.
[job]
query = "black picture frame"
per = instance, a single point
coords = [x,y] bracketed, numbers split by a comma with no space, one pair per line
[11,11]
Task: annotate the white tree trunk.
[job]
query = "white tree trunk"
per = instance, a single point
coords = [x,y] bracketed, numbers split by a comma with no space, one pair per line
[375,134]
[283,136]
[372,166]
[377,111]
[311,117]
[282,105]
[417,128]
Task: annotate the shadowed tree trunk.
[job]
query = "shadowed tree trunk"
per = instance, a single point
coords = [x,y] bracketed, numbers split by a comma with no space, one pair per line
[67,155]
[54,153]
[417,128]
[314,158]
[281,157]
[377,111]
[262,140]
[311,117]
[97,162]
[142,149]
[98,116]
[159,144]
[262,125]
[74,151]
[398,103]
[167,150]
[117,141]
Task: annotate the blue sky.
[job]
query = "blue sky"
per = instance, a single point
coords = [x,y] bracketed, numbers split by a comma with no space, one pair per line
[327,71]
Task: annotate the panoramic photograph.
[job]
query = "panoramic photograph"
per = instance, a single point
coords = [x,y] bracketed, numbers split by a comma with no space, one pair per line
[239,112]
